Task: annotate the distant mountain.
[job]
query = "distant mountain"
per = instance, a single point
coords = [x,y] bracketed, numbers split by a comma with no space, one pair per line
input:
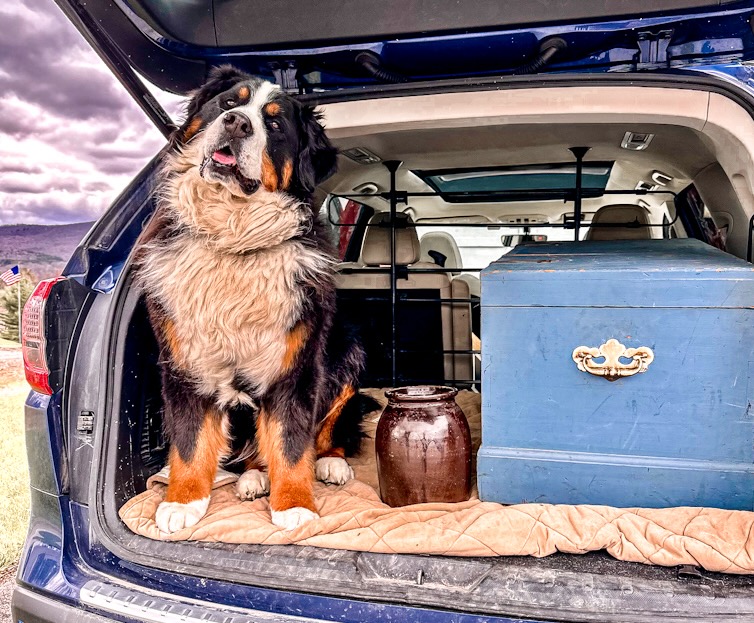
[42,249]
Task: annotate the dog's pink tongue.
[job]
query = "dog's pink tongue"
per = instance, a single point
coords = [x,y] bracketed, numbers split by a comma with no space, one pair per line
[228,159]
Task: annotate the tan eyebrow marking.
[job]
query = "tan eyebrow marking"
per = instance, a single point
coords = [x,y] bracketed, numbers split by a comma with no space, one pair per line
[273,108]
[244,93]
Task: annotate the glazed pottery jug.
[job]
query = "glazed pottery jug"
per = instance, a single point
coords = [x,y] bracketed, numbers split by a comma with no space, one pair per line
[423,447]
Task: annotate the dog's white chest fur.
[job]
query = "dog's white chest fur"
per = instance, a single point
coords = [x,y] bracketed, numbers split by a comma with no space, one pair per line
[231,313]
[229,283]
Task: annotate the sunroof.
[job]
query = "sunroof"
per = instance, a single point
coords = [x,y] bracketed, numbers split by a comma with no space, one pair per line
[517,183]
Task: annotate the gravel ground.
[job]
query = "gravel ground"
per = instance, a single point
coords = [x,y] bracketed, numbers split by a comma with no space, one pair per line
[7,582]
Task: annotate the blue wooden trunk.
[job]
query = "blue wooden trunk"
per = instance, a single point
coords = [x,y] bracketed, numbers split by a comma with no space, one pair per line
[679,434]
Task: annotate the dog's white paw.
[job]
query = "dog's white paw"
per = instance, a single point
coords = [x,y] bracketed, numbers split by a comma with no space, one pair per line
[174,516]
[293,517]
[333,470]
[253,484]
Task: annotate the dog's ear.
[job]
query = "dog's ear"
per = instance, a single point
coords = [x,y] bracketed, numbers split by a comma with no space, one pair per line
[317,159]
[220,79]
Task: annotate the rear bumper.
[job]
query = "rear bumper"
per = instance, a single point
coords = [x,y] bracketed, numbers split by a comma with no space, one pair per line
[100,600]
[31,607]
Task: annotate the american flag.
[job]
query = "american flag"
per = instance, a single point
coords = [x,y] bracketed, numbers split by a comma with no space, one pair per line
[11,276]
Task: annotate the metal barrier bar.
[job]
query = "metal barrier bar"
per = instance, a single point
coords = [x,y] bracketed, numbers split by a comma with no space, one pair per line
[400,196]
[392,167]
[492,225]
[579,153]
[430,300]
[382,299]
[449,351]
[432,381]
[550,193]
[408,269]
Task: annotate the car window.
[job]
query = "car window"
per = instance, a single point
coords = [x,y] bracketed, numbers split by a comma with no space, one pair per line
[347,219]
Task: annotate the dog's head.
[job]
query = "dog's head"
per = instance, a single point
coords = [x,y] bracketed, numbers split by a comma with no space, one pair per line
[245,133]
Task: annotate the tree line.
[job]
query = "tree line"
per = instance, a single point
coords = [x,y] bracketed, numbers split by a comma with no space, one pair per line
[9,303]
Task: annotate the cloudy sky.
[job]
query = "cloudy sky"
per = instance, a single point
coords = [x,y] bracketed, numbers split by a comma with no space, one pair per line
[71,138]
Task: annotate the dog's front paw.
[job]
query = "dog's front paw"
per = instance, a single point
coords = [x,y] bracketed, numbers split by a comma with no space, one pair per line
[333,470]
[293,517]
[253,484]
[174,516]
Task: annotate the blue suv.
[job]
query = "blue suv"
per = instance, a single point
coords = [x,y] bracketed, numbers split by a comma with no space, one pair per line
[662,92]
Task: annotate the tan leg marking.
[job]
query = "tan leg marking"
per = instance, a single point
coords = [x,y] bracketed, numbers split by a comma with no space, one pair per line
[254,482]
[174,345]
[324,436]
[192,480]
[294,342]
[291,486]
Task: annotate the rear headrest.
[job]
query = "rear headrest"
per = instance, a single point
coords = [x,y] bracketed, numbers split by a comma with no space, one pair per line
[444,244]
[375,250]
[620,213]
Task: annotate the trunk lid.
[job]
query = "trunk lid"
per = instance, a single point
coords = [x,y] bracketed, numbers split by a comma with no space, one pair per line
[336,44]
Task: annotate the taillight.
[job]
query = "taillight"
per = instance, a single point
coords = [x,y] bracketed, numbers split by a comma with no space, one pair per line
[34,338]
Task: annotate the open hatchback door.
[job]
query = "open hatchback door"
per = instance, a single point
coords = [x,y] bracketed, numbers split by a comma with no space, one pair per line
[334,45]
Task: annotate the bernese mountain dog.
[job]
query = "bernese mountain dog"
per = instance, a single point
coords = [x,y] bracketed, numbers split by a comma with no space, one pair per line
[258,370]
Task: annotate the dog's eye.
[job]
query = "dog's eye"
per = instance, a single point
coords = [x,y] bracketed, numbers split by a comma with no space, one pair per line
[230,103]
[274,125]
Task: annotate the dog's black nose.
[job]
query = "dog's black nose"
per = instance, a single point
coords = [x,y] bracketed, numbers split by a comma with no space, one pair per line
[237,124]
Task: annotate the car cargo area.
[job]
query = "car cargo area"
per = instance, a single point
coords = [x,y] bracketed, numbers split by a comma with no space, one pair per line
[431,190]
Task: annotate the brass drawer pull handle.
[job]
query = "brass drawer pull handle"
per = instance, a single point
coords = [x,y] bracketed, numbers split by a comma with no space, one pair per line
[612,368]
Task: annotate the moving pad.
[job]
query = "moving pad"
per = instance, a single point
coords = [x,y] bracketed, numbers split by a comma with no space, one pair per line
[353,517]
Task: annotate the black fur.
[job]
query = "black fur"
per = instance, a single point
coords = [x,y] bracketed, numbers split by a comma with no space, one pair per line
[180,398]
[318,158]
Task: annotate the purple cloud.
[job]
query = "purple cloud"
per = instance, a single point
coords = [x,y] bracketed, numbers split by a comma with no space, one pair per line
[70,136]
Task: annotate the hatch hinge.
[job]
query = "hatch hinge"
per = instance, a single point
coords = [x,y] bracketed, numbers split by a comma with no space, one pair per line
[653,49]
[286,75]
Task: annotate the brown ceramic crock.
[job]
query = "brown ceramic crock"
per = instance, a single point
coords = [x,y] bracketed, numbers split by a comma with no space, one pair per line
[423,446]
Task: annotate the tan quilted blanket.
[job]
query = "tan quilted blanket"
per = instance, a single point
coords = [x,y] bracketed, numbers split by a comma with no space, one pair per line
[353,517]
